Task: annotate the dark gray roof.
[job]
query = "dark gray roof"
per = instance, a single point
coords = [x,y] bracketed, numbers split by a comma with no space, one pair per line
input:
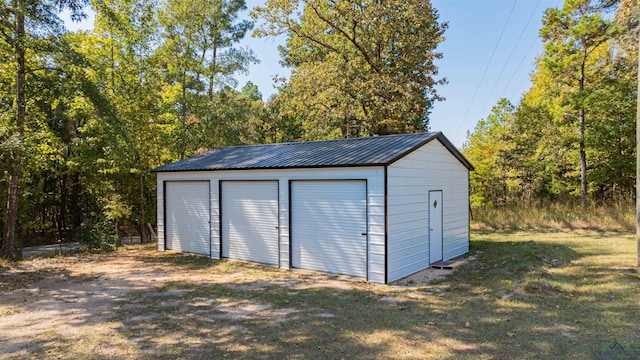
[369,151]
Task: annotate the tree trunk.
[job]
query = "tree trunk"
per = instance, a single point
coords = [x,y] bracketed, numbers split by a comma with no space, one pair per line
[638,157]
[62,209]
[583,162]
[183,117]
[583,154]
[8,250]
[75,206]
[145,237]
[212,75]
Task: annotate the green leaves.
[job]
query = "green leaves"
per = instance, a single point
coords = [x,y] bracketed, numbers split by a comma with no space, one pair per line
[359,68]
[581,107]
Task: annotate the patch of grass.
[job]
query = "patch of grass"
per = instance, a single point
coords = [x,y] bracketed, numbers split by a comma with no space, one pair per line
[51,333]
[555,216]
[10,310]
[143,246]
[181,260]
[97,342]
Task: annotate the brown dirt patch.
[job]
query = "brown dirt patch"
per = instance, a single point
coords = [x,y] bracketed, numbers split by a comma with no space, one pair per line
[46,304]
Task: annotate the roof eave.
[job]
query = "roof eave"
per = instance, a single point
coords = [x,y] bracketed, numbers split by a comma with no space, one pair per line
[455,152]
[158,170]
[445,142]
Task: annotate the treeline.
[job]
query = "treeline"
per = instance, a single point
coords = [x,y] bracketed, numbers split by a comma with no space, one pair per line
[85,115]
[571,138]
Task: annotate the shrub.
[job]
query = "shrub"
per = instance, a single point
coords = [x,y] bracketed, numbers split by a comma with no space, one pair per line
[98,236]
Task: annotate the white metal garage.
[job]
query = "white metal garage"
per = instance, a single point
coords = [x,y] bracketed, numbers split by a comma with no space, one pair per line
[329,226]
[377,208]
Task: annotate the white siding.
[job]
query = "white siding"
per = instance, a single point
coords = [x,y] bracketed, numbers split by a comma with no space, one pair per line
[375,200]
[409,180]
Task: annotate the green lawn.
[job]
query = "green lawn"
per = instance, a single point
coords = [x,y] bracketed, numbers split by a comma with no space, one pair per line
[528,295]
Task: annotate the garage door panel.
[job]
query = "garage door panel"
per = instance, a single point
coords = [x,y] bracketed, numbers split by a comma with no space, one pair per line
[250,220]
[187,216]
[328,219]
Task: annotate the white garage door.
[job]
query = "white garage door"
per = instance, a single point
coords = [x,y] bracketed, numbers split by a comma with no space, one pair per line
[250,221]
[187,216]
[329,225]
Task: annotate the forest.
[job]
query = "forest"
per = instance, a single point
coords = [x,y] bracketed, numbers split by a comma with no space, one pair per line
[571,138]
[86,115]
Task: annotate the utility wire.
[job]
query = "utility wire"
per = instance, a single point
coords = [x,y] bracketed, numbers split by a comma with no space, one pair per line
[504,91]
[519,87]
[526,55]
[484,73]
[509,59]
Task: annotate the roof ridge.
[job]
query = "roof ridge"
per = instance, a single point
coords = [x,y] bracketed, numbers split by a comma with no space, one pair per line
[326,140]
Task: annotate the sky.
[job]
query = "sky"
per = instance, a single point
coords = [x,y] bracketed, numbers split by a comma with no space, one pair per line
[488,53]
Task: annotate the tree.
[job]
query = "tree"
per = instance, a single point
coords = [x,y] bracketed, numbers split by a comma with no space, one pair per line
[570,36]
[123,138]
[22,39]
[199,55]
[359,68]
[489,148]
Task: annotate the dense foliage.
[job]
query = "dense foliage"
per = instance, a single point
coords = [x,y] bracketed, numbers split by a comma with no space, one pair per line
[149,84]
[359,68]
[572,136]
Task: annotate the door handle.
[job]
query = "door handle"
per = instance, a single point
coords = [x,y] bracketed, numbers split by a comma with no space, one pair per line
[364,234]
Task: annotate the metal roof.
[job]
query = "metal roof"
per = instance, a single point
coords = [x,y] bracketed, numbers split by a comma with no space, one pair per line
[369,151]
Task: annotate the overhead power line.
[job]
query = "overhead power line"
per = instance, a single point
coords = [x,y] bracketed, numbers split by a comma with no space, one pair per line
[513,49]
[484,73]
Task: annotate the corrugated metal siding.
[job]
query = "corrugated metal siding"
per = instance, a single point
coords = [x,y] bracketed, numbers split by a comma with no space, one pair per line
[187,223]
[216,251]
[432,167]
[375,202]
[160,212]
[328,219]
[375,197]
[250,221]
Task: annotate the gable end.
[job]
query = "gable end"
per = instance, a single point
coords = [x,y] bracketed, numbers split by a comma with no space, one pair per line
[446,143]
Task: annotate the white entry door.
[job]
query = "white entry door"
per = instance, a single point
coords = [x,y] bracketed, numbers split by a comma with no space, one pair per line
[250,221]
[329,226]
[187,216]
[435,226]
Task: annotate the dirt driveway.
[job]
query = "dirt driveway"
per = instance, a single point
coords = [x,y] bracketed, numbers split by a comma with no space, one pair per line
[139,303]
